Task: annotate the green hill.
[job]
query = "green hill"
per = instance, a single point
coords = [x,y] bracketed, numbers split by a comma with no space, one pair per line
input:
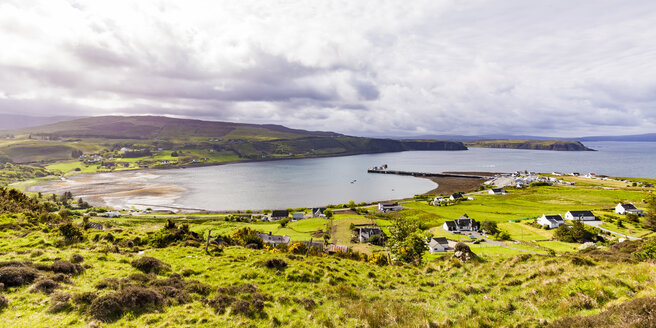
[562,145]
[159,127]
[198,142]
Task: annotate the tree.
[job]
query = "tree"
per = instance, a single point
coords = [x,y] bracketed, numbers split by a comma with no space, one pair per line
[174,154]
[283,222]
[490,227]
[406,241]
[376,240]
[579,233]
[71,232]
[328,214]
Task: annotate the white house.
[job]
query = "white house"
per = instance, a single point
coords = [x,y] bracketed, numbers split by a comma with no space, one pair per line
[385,207]
[551,221]
[274,240]
[297,216]
[113,214]
[317,212]
[622,208]
[438,245]
[462,224]
[497,191]
[456,196]
[580,216]
[367,232]
[439,200]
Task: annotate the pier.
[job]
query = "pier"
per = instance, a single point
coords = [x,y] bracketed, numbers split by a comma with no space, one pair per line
[424,174]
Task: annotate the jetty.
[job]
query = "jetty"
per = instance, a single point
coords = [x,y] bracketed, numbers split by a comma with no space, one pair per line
[423,174]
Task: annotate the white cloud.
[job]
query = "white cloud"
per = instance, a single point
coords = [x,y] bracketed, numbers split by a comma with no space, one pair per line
[357,67]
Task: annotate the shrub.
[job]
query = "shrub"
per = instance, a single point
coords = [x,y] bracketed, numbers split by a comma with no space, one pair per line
[198,287]
[59,303]
[221,302]
[298,248]
[3,302]
[77,258]
[378,259]
[71,232]
[45,286]
[106,308]
[150,265]
[66,267]
[108,283]
[275,263]
[248,308]
[12,276]
[85,298]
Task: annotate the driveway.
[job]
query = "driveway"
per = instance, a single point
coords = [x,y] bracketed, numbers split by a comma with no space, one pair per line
[597,224]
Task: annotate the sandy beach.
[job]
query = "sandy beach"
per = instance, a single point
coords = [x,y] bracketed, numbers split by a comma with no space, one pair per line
[126,189]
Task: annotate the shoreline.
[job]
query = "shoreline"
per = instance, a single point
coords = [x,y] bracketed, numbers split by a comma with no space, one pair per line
[138,189]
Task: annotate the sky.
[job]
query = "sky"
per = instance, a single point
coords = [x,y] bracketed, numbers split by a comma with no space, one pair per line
[368,68]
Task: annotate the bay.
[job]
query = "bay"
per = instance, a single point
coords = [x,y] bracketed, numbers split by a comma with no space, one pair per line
[334,180]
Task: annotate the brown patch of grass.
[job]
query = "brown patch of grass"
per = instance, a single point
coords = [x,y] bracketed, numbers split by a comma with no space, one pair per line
[639,312]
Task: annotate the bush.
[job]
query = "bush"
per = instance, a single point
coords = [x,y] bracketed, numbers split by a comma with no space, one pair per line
[221,302]
[71,232]
[45,286]
[59,303]
[3,302]
[77,258]
[131,299]
[275,263]
[85,298]
[106,308]
[298,248]
[109,283]
[66,267]
[378,259]
[150,265]
[13,276]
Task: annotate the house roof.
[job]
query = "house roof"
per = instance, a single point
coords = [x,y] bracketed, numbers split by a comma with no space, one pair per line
[628,206]
[280,213]
[389,204]
[554,218]
[440,240]
[497,190]
[370,231]
[581,213]
[274,239]
[450,225]
[320,209]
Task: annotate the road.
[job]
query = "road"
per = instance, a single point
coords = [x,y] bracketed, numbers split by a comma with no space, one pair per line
[597,224]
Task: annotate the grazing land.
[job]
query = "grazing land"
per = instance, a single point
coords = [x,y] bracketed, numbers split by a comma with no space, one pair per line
[65,263]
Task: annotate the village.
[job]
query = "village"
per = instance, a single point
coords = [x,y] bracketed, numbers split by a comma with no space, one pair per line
[368,224]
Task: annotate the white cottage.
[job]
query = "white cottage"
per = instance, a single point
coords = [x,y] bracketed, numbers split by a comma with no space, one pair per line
[551,221]
[385,207]
[580,216]
[438,245]
[622,208]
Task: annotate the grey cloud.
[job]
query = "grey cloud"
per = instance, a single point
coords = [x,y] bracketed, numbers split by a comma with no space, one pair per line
[365,67]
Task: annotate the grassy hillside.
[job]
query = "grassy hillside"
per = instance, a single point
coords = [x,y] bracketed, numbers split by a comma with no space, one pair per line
[562,145]
[116,278]
[197,143]
[158,127]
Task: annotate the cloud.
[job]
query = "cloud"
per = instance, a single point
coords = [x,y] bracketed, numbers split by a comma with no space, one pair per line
[356,67]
